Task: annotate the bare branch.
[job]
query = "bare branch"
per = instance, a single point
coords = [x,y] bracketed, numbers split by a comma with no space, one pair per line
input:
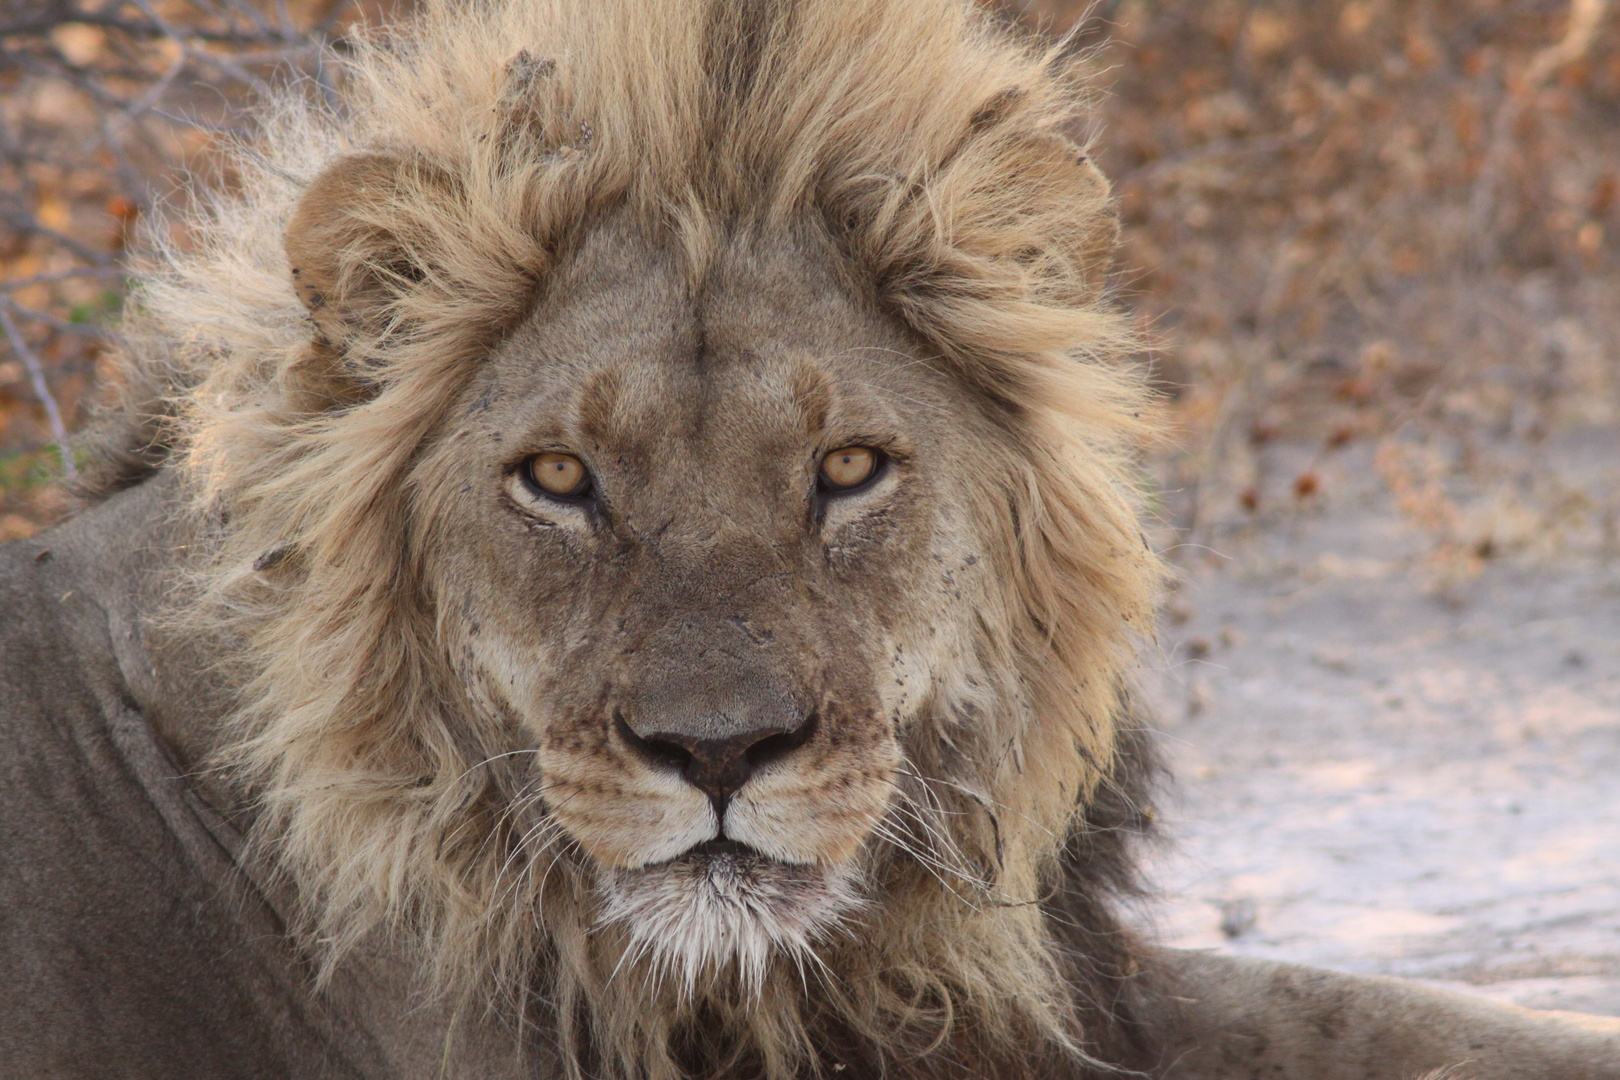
[109,104]
[1584,19]
[42,390]
[75,274]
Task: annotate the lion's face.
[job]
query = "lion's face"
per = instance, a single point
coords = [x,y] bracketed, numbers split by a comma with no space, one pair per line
[711,630]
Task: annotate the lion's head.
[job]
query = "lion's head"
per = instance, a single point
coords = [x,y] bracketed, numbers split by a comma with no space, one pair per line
[675,528]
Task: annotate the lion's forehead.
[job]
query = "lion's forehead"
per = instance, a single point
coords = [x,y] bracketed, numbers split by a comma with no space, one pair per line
[763,354]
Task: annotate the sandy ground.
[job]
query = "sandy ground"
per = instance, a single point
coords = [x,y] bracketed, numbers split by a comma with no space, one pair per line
[1380,779]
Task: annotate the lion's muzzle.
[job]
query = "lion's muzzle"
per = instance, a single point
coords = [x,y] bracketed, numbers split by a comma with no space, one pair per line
[715,752]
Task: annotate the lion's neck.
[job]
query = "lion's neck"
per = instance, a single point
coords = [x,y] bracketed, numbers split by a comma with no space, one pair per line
[129,553]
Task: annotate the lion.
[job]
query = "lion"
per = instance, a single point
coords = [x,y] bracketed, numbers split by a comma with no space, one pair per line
[614,552]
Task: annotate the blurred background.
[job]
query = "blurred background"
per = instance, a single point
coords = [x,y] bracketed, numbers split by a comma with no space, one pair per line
[1375,247]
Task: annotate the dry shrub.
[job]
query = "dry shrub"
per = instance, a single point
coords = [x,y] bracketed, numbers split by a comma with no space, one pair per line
[1385,220]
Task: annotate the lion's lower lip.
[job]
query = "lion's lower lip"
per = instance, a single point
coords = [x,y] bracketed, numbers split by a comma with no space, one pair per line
[724,852]
[717,847]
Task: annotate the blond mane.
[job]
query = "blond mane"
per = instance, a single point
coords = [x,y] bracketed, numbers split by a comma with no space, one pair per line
[939,152]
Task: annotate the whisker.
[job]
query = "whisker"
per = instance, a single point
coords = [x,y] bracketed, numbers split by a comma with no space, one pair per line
[983,800]
[493,757]
[935,868]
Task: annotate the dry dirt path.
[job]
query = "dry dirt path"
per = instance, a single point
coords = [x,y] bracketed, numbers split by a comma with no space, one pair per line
[1376,780]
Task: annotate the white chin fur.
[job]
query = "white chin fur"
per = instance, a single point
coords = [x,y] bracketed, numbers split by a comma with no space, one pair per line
[692,918]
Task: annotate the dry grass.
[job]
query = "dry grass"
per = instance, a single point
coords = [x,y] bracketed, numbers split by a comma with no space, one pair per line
[1347,221]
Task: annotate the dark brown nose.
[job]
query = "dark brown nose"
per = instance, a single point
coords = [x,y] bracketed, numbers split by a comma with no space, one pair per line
[718,767]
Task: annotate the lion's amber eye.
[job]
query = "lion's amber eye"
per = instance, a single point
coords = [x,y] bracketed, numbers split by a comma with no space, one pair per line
[560,474]
[849,466]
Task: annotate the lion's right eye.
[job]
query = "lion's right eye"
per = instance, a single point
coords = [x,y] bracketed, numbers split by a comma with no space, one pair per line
[559,474]
[848,467]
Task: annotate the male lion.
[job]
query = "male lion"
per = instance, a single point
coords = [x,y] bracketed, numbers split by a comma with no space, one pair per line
[614,556]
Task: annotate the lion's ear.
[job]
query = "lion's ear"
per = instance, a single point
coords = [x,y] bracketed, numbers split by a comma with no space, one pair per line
[357,242]
[1069,208]
[1010,250]
[1096,242]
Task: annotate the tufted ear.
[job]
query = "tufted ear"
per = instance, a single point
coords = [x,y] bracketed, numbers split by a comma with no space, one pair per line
[1072,228]
[360,239]
[1004,250]
[1094,246]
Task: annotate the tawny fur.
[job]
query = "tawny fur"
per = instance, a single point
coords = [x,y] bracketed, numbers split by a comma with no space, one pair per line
[472,154]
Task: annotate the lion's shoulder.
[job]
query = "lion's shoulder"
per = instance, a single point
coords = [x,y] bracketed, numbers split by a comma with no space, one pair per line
[130,930]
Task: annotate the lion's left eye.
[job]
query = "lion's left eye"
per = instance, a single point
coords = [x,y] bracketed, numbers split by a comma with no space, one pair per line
[559,474]
[848,467]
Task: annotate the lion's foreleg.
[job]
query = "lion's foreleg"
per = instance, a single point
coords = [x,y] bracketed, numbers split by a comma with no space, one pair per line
[1226,1018]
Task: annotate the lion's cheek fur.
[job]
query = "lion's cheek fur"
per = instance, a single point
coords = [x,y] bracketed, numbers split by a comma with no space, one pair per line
[623,813]
[824,809]
[626,822]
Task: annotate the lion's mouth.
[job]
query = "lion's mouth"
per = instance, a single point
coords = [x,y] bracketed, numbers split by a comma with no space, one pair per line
[721,910]
[719,848]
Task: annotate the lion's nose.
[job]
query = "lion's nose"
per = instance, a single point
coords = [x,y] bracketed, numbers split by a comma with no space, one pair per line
[718,767]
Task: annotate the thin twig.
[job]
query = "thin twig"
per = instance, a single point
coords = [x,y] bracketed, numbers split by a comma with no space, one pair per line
[1584,18]
[36,374]
[74,274]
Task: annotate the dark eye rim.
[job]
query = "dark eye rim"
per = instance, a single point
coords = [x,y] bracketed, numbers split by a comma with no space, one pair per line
[880,468]
[583,494]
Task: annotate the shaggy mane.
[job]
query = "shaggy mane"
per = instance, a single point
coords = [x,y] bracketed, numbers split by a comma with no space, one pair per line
[936,151]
